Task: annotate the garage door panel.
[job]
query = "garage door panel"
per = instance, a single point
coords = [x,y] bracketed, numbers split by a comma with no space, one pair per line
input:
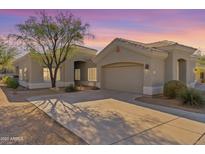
[127,78]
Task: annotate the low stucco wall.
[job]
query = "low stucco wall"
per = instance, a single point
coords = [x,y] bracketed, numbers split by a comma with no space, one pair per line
[43,84]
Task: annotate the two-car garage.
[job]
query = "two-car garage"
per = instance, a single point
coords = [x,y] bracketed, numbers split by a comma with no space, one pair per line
[123,77]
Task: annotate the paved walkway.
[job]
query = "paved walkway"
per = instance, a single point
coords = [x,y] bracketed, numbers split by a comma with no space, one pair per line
[109,117]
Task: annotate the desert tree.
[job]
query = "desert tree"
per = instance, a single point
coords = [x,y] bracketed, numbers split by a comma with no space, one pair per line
[52,38]
[7,56]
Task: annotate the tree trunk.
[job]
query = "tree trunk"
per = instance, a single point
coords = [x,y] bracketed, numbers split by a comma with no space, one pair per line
[53,80]
[53,83]
[53,76]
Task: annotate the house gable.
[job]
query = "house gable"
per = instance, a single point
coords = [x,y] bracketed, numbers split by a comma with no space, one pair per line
[116,54]
[132,46]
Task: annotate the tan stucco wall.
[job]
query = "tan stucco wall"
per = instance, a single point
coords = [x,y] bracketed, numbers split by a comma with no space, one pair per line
[191,73]
[169,67]
[152,77]
[190,65]
[176,52]
[36,72]
[162,66]
[35,68]
[67,68]
[125,55]
[24,62]
[68,71]
[157,71]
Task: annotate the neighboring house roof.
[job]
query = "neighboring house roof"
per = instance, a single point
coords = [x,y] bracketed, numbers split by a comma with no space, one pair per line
[199,52]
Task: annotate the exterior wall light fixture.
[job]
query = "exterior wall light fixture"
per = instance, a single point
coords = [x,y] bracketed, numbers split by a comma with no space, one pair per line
[146,67]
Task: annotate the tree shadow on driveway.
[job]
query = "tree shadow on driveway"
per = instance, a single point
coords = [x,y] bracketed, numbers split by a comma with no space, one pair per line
[98,125]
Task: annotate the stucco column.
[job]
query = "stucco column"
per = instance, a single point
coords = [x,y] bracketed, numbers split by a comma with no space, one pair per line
[190,70]
[147,85]
[174,68]
[154,77]
[69,72]
[99,76]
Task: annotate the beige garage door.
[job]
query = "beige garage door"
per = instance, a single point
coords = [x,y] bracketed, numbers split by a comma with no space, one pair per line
[123,77]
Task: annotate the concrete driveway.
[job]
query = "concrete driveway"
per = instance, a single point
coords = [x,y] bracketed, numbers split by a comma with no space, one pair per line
[106,117]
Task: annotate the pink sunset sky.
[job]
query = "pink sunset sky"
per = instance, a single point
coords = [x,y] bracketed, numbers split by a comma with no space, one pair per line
[183,26]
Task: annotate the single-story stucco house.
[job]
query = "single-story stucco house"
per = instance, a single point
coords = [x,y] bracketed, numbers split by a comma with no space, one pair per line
[123,65]
[33,74]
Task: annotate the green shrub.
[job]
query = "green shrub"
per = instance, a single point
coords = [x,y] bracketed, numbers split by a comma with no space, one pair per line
[173,88]
[5,79]
[12,83]
[192,96]
[95,88]
[70,88]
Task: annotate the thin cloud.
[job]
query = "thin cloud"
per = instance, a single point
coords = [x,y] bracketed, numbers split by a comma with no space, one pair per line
[184,26]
